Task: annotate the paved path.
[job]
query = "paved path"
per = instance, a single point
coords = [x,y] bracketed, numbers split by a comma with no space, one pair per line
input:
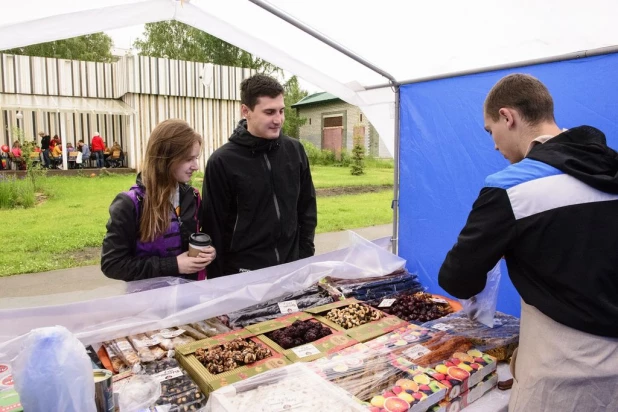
[67,285]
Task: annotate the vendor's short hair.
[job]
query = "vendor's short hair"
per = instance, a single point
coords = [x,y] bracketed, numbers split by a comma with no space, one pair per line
[524,93]
[256,86]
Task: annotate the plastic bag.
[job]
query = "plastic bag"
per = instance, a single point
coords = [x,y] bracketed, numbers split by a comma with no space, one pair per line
[482,307]
[139,392]
[53,368]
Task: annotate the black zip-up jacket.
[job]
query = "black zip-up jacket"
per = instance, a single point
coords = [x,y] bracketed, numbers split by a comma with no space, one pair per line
[45,141]
[554,217]
[259,203]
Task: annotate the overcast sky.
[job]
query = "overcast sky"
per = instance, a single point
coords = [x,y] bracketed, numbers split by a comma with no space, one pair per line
[125,37]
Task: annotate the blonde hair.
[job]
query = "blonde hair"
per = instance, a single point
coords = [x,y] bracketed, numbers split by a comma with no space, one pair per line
[170,143]
[524,93]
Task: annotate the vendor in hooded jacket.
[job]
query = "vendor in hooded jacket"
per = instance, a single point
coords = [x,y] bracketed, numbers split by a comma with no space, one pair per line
[553,215]
[259,199]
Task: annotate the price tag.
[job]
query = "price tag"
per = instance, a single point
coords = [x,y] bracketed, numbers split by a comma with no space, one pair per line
[416,352]
[167,374]
[289,306]
[386,303]
[442,326]
[305,350]
[438,300]
[170,334]
[283,402]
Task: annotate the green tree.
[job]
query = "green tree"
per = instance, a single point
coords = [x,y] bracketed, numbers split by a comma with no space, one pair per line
[95,47]
[176,40]
[293,94]
[357,167]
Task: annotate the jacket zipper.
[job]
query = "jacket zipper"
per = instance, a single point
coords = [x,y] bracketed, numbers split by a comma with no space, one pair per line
[274,200]
[235,225]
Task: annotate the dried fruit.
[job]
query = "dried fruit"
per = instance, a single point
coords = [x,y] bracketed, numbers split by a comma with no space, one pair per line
[231,355]
[353,315]
[419,307]
[299,333]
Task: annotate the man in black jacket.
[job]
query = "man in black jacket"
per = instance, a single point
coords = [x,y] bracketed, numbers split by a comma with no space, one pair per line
[45,141]
[259,200]
[553,215]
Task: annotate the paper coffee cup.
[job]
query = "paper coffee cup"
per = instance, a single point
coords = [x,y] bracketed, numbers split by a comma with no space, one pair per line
[198,242]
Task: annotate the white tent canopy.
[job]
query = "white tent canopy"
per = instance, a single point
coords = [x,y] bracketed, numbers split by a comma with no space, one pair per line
[409,40]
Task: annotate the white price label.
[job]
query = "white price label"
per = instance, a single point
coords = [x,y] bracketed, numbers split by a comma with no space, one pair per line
[283,402]
[170,334]
[289,306]
[305,350]
[386,303]
[438,300]
[416,352]
[442,326]
[167,374]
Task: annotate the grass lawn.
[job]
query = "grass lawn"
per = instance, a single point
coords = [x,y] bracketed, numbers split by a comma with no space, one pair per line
[66,230]
[329,176]
[351,211]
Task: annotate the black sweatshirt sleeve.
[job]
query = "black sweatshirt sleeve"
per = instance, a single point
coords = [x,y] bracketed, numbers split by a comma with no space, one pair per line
[307,211]
[482,242]
[118,260]
[217,198]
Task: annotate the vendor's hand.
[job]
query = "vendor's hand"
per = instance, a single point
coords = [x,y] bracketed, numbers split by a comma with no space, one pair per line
[188,265]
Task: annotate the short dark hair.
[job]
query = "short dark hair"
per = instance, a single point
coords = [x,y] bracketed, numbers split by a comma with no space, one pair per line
[256,86]
[524,93]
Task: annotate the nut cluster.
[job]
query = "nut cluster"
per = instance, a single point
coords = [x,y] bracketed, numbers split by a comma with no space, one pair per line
[231,355]
[353,315]
[418,307]
[299,333]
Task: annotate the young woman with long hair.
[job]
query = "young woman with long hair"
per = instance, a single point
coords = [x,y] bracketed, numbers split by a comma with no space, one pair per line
[149,226]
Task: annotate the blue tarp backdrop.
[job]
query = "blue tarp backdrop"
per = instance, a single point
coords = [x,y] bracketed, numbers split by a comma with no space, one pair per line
[445,154]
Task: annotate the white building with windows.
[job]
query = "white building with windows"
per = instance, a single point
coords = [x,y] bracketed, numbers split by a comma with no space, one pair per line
[123,100]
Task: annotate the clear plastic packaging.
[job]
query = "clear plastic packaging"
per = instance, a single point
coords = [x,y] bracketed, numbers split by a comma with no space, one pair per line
[138,393]
[499,341]
[306,298]
[482,307]
[53,369]
[102,319]
[291,388]
[373,288]
[178,391]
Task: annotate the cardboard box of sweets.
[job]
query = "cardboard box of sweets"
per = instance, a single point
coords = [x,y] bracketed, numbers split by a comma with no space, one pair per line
[459,373]
[232,357]
[369,376]
[294,387]
[307,338]
[466,398]
[359,321]
[400,339]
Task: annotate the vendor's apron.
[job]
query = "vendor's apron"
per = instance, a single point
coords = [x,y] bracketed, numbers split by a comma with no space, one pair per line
[561,369]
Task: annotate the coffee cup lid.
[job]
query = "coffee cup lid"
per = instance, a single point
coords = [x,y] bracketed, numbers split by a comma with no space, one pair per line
[200,239]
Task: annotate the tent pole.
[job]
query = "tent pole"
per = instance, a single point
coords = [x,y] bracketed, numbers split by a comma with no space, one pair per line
[552,59]
[301,26]
[395,204]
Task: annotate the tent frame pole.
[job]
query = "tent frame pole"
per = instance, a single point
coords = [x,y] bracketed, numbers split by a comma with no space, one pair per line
[395,204]
[552,59]
[313,33]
